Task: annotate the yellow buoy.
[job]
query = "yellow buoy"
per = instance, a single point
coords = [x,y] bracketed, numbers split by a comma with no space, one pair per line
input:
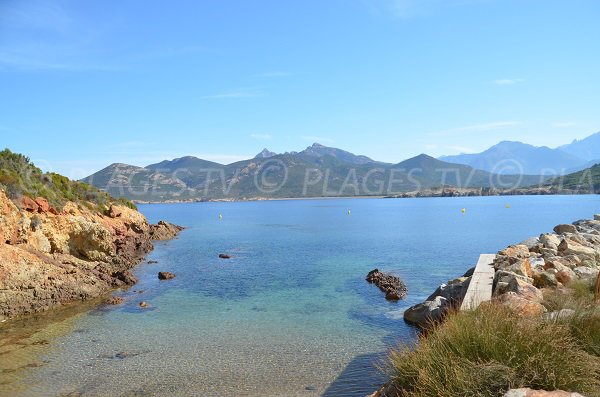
[220,216]
[349,212]
[463,210]
[507,205]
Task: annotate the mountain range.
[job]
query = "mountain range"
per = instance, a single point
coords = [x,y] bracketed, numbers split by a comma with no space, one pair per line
[319,171]
[520,158]
[314,172]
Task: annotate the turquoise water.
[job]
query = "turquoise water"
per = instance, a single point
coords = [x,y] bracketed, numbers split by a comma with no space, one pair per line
[290,314]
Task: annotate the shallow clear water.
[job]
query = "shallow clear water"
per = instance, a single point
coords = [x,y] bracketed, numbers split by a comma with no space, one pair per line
[290,314]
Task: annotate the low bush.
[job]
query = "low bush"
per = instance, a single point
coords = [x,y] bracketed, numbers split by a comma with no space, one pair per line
[487,351]
[20,177]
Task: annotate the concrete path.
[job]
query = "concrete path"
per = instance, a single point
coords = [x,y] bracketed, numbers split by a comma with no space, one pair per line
[480,288]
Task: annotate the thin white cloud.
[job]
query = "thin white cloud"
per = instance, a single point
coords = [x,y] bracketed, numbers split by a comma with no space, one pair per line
[507,81]
[462,149]
[234,94]
[564,124]
[312,138]
[262,137]
[497,125]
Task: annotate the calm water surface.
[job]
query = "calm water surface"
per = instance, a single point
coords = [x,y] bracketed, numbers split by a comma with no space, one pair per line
[289,315]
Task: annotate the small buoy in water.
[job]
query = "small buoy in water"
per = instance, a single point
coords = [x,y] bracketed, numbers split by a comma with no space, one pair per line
[507,205]
[220,216]
[349,212]
[463,210]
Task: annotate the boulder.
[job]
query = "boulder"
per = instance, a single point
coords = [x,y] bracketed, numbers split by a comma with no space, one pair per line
[550,241]
[570,247]
[565,228]
[559,315]
[520,305]
[427,312]
[454,290]
[502,278]
[43,205]
[29,204]
[525,290]
[515,251]
[165,275]
[522,268]
[224,256]
[544,279]
[565,276]
[597,217]
[530,243]
[584,272]
[539,393]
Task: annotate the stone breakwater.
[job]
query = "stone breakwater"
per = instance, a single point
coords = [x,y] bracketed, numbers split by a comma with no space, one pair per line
[524,271]
[50,257]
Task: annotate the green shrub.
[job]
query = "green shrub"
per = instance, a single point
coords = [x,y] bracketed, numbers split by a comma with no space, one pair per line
[490,350]
[19,177]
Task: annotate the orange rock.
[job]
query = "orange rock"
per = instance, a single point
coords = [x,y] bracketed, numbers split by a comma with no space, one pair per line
[28,204]
[42,204]
[520,305]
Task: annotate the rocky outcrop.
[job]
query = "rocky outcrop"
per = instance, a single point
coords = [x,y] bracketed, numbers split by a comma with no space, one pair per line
[391,285]
[164,230]
[165,275]
[49,258]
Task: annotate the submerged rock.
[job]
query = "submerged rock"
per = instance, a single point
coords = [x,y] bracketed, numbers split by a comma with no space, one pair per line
[391,285]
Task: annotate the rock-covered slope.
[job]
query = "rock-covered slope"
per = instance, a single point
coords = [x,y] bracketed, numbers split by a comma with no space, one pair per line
[48,257]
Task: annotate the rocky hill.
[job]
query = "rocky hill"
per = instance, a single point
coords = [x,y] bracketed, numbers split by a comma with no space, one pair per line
[70,243]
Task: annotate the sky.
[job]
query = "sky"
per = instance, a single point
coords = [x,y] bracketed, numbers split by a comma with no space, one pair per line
[87,83]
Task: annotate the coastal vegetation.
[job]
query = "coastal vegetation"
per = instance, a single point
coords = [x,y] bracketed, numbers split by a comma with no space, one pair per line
[19,177]
[490,350]
[539,328]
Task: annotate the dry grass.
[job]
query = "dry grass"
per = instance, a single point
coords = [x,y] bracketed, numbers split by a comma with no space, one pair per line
[488,351]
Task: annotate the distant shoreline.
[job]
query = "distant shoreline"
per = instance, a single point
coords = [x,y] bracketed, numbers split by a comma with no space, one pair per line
[426,194]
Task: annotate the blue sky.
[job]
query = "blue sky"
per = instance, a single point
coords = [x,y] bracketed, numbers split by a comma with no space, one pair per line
[87,83]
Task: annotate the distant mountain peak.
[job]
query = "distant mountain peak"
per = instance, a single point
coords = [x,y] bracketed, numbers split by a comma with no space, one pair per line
[264,154]
[318,150]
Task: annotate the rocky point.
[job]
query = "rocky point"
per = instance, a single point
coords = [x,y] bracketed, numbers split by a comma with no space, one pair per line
[50,257]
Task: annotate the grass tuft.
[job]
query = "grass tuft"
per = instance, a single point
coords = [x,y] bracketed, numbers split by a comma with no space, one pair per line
[488,351]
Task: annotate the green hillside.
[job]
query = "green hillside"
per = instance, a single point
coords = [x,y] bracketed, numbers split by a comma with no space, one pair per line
[317,171]
[20,177]
[584,181]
